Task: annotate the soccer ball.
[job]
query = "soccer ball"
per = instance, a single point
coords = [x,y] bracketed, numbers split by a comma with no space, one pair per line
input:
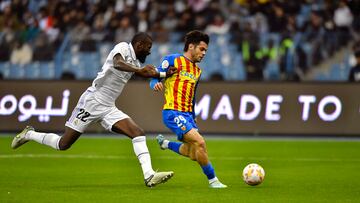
[253,174]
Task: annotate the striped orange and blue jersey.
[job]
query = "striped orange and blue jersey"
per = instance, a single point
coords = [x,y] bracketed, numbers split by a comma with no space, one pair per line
[180,88]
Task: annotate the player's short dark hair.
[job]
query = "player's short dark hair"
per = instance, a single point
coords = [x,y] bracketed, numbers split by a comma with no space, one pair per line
[195,37]
[141,37]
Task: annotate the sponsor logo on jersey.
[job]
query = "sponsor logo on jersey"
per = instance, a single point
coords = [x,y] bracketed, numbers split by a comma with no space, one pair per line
[187,74]
[165,64]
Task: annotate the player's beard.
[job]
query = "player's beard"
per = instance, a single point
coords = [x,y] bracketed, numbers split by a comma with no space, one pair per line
[142,58]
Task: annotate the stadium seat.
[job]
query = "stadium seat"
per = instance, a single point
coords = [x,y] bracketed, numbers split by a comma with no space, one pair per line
[70,64]
[155,57]
[32,70]
[321,76]
[175,37]
[47,70]
[104,49]
[272,71]
[239,72]
[17,71]
[89,65]
[5,69]
[177,48]
[338,73]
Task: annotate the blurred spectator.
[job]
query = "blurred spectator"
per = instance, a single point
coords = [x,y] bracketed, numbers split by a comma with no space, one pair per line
[259,23]
[200,22]
[31,27]
[277,24]
[9,19]
[291,34]
[4,52]
[125,30]
[354,75]
[21,53]
[217,26]
[248,46]
[314,33]
[43,49]
[186,22]
[143,24]
[343,19]
[355,9]
[98,31]
[159,33]
[198,5]
[80,32]
[170,21]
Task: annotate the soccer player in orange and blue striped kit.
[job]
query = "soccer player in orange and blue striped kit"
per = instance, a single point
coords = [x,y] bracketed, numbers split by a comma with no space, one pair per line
[178,112]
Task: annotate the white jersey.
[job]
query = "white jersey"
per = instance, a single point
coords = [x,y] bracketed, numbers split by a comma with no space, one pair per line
[110,82]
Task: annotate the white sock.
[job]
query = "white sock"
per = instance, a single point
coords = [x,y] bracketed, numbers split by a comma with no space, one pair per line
[142,153]
[165,144]
[49,139]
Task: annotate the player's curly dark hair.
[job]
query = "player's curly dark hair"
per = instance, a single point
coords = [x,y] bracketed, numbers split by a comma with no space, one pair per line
[195,37]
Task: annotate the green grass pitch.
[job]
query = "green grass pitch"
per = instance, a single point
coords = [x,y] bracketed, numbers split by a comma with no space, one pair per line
[106,170]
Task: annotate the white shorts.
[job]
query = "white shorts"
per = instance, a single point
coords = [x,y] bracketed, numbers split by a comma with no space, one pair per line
[89,110]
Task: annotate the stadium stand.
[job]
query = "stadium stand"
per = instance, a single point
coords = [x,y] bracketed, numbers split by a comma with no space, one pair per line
[250,40]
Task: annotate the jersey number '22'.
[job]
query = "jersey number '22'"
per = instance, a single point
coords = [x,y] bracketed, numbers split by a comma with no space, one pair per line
[83,115]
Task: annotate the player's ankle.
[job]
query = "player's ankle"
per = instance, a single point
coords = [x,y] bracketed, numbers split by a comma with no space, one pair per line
[165,144]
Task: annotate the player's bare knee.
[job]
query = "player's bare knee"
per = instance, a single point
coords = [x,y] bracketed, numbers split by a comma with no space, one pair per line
[136,132]
[64,146]
[201,145]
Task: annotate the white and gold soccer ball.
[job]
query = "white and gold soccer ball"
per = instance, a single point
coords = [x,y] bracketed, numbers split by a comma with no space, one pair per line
[253,174]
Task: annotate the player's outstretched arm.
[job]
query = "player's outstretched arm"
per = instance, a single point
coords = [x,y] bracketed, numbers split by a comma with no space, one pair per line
[155,83]
[120,64]
[148,71]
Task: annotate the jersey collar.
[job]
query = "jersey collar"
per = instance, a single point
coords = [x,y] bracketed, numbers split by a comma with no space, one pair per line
[188,59]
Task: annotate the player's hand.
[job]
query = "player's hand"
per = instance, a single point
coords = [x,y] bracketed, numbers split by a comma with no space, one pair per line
[170,71]
[148,71]
[158,87]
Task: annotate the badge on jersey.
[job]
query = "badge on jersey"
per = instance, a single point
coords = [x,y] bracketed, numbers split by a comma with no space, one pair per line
[165,64]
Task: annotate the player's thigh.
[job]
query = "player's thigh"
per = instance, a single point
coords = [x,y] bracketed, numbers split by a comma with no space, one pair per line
[87,111]
[178,122]
[128,127]
[119,122]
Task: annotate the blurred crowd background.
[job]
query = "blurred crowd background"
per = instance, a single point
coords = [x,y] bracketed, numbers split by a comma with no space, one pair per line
[250,40]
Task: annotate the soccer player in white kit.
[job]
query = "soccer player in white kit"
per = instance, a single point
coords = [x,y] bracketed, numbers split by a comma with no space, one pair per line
[97,104]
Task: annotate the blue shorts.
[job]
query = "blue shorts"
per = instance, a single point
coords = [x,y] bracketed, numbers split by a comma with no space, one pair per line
[179,122]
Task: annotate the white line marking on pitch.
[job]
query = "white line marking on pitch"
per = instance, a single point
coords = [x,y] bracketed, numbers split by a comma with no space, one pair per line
[77,156]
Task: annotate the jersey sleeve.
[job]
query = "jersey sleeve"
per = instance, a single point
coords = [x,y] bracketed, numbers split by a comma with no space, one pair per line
[122,49]
[167,62]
